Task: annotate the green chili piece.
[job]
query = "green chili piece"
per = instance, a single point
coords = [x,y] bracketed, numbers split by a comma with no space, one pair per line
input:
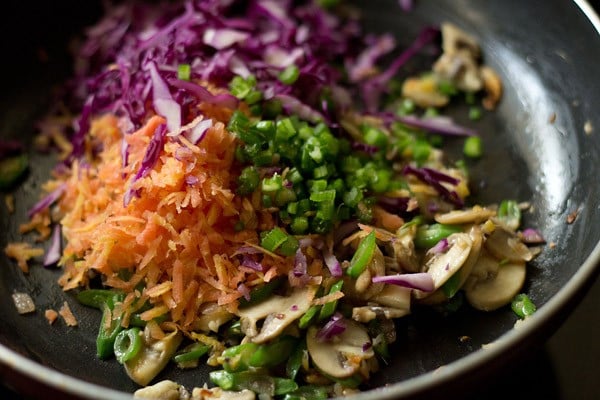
[274,353]
[109,329]
[523,306]
[96,298]
[191,353]
[128,344]
[308,317]
[451,286]
[308,392]
[260,293]
[136,320]
[473,147]
[428,235]
[273,239]
[509,213]
[329,308]
[237,358]
[184,72]
[256,381]
[475,113]
[362,256]
[294,363]
[284,386]
[11,169]
[289,75]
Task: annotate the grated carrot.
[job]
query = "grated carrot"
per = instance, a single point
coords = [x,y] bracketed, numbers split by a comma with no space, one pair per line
[22,253]
[51,315]
[67,315]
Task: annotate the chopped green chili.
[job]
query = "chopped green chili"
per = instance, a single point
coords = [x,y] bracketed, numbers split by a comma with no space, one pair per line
[362,256]
[11,169]
[472,147]
[428,235]
[523,306]
[128,344]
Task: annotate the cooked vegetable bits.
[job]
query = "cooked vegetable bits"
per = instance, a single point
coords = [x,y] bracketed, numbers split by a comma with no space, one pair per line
[247,186]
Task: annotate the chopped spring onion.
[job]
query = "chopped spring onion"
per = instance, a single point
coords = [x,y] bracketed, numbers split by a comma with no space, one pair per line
[362,256]
[289,75]
[429,235]
[523,306]
[128,344]
[472,147]
[184,72]
[509,213]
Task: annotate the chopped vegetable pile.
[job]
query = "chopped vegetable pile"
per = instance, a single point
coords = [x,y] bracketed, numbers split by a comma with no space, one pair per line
[244,184]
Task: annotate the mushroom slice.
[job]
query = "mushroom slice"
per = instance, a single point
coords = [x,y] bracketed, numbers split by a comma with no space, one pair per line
[439,296]
[493,87]
[486,268]
[506,245]
[364,286]
[455,40]
[403,247]
[152,358]
[442,266]
[211,318]
[365,314]
[474,215]
[163,390]
[218,393]
[342,356]
[278,312]
[394,296]
[498,291]
[424,91]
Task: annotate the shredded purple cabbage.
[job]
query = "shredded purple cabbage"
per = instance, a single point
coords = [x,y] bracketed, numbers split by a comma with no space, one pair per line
[334,327]
[47,201]
[420,281]
[435,179]
[53,252]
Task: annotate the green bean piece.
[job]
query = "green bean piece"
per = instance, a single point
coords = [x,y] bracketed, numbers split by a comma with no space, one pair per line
[523,306]
[136,320]
[329,308]
[362,256]
[428,235]
[308,392]
[128,344]
[96,298]
[237,358]
[11,169]
[191,353]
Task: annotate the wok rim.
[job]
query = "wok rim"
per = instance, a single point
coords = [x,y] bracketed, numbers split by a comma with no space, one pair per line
[566,298]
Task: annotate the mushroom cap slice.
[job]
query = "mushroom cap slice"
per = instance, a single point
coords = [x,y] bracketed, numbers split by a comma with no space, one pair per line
[364,285]
[443,265]
[506,245]
[152,358]
[491,294]
[278,312]
[474,215]
[342,356]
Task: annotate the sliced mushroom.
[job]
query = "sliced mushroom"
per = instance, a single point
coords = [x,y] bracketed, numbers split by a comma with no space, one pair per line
[218,393]
[364,286]
[474,215]
[211,318]
[424,92]
[342,356]
[486,268]
[459,62]
[163,390]
[403,248]
[506,245]
[493,87]
[394,296]
[365,314]
[442,266]
[439,296]
[498,291]
[277,311]
[152,358]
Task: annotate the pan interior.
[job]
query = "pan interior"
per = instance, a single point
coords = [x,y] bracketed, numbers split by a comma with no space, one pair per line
[535,147]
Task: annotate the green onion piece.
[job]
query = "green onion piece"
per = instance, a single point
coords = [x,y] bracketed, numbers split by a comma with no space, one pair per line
[184,72]
[523,306]
[274,353]
[447,88]
[308,317]
[191,353]
[11,169]
[289,75]
[362,256]
[325,195]
[475,113]
[407,106]
[299,225]
[128,344]
[240,87]
[428,236]
[248,181]
[273,239]
[473,147]
[272,184]
[509,213]
[329,308]
[375,137]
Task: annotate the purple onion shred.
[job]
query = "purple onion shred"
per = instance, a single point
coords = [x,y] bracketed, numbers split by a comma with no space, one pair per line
[53,253]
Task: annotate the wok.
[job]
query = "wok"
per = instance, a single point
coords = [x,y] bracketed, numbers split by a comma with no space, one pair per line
[545,52]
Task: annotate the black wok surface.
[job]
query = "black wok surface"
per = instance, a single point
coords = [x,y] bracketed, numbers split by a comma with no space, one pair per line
[542,49]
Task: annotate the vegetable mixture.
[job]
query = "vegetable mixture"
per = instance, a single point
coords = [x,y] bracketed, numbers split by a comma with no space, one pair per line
[244,184]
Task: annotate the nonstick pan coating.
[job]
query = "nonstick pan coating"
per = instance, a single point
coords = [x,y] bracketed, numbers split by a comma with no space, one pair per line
[536,149]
